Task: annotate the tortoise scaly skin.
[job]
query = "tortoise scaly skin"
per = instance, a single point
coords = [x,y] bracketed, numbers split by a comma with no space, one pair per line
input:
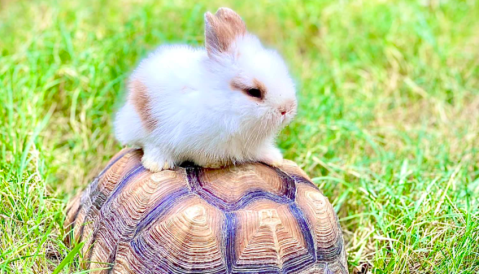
[249,218]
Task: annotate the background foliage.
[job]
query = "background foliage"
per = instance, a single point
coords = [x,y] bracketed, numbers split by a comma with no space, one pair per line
[388,121]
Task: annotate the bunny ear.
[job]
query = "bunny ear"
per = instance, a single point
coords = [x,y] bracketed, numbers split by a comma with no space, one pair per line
[221,29]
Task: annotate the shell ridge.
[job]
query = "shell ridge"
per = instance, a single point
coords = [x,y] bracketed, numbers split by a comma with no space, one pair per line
[121,154]
[135,171]
[71,234]
[289,182]
[343,260]
[327,270]
[86,204]
[95,193]
[99,206]
[159,209]
[302,180]
[305,229]
[73,219]
[72,203]
[230,227]
[137,246]
[257,195]
[331,253]
[248,198]
[194,181]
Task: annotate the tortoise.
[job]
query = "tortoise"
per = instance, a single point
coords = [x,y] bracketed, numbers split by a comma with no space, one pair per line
[247,218]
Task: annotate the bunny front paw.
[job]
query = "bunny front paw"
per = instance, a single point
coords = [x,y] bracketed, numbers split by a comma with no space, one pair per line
[271,156]
[156,165]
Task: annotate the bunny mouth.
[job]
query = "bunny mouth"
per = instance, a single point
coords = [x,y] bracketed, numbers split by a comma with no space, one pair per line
[275,121]
[286,118]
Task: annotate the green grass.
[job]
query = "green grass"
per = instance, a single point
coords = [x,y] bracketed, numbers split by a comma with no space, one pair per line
[388,121]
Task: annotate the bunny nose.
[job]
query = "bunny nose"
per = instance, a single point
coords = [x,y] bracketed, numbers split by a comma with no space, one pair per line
[287,107]
[284,109]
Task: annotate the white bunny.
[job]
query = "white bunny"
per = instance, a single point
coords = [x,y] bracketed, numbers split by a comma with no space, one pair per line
[219,106]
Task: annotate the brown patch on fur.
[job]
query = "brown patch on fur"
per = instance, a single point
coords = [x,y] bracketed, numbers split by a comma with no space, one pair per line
[221,29]
[237,84]
[141,101]
[260,86]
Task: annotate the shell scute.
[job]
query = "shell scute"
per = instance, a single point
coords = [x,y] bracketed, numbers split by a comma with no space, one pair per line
[99,191]
[268,238]
[187,239]
[232,185]
[235,187]
[320,215]
[120,217]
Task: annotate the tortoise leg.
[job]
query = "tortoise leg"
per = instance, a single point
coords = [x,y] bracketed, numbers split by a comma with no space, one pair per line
[155,160]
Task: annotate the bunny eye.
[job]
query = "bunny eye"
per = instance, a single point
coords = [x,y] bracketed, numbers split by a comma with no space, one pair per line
[254,92]
[256,89]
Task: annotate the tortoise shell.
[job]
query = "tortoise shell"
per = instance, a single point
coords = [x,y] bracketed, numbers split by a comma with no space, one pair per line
[249,218]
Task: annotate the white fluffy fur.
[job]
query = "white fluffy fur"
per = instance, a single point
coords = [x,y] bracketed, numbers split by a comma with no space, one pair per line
[200,117]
